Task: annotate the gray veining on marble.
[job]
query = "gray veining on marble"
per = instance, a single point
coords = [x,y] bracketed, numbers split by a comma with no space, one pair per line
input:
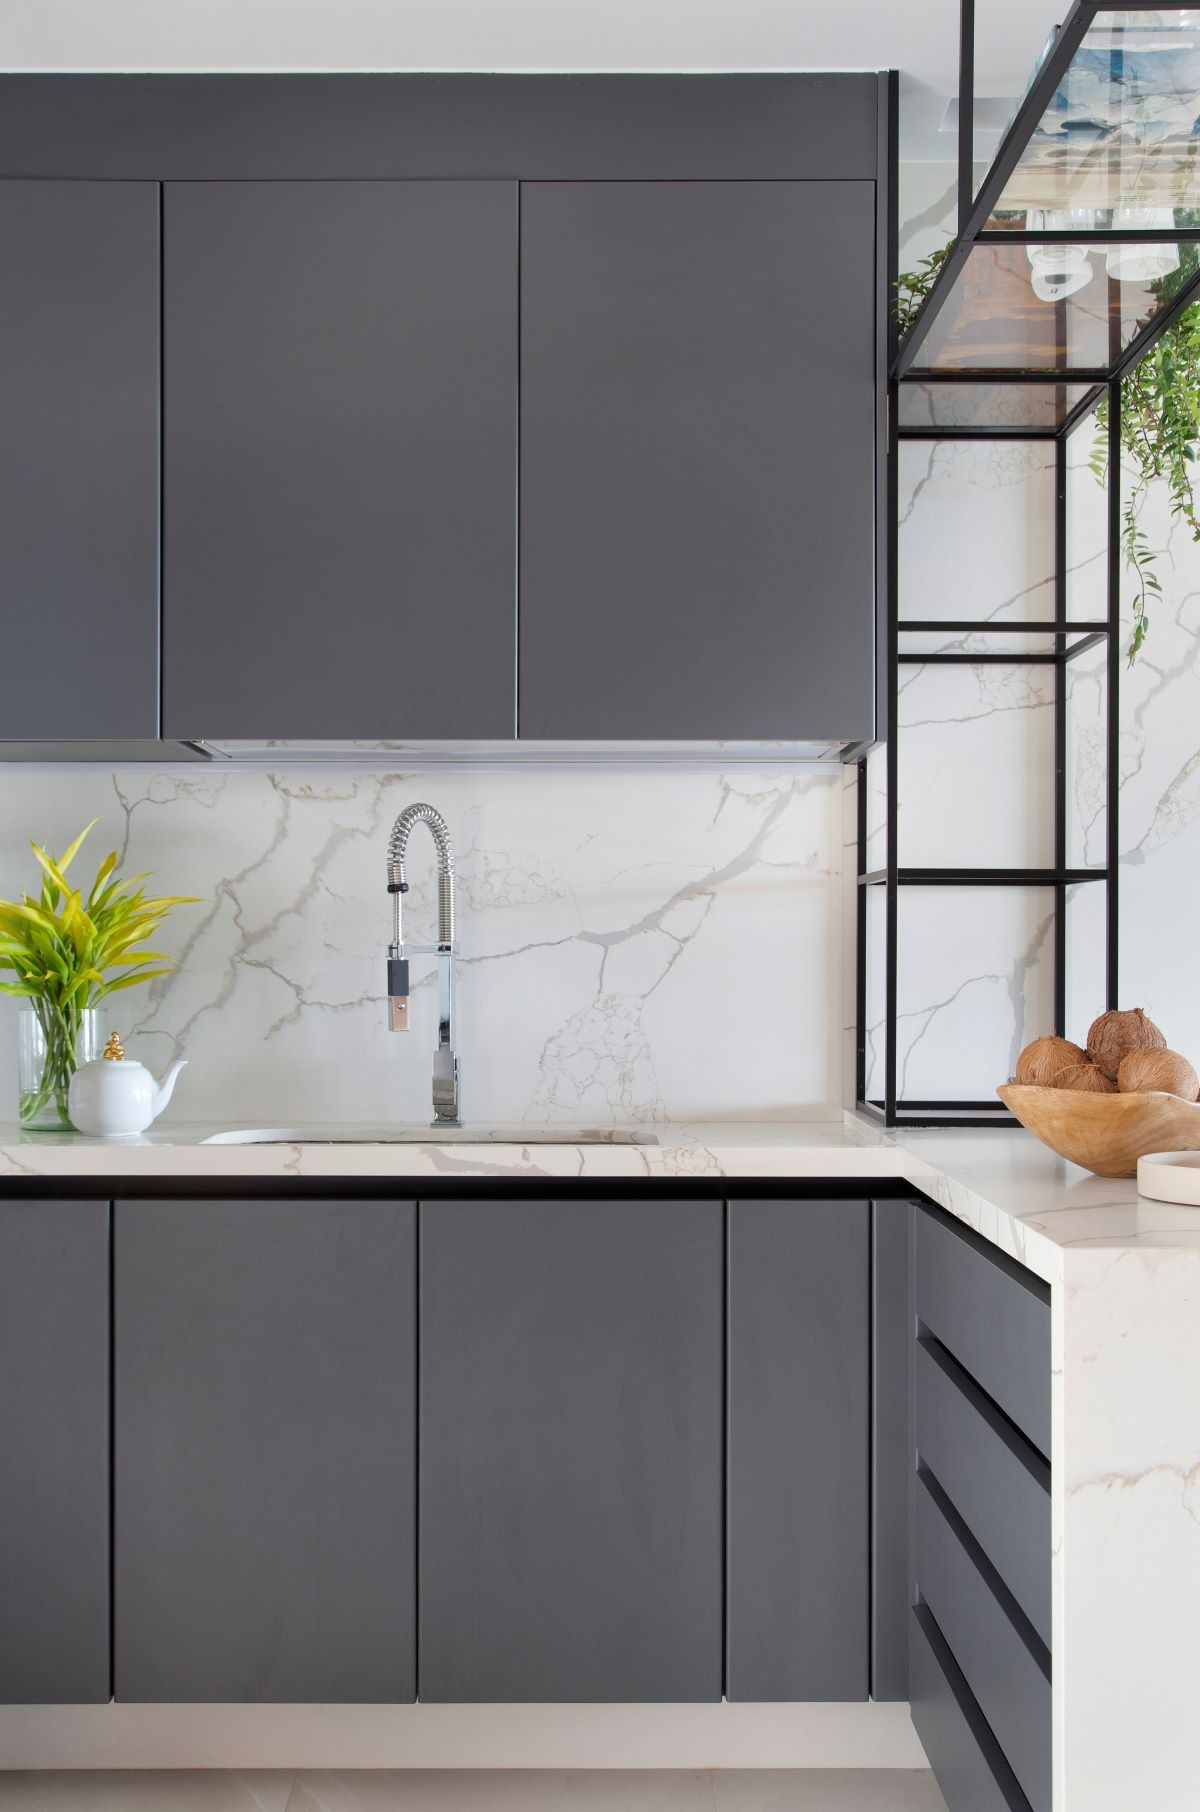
[635,946]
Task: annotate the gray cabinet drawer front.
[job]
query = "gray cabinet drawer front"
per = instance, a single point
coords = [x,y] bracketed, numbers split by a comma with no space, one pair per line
[798,1451]
[683,455]
[79,459]
[571,1446]
[997,1483]
[993,1321]
[339,459]
[971,1773]
[997,1662]
[265,1451]
[54,1463]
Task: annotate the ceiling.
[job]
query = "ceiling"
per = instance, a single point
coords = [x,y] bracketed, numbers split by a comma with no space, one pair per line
[919,37]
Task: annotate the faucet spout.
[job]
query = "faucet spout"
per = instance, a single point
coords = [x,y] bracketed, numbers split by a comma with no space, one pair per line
[445,1060]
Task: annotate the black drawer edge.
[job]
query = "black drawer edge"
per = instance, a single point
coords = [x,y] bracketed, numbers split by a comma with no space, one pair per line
[1003,1261]
[987,1572]
[997,1419]
[968,1707]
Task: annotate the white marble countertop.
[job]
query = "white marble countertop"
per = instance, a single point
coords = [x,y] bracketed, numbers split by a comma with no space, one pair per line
[1020,1196]
[1124,1273]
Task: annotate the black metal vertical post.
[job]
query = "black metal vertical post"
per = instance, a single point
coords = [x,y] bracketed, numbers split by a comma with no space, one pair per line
[1060,735]
[1111,828]
[860,936]
[887,255]
[966,111]
[1113,696]
[892,856]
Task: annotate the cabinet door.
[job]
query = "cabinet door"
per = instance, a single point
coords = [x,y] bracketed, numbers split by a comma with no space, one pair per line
[339,459]
[265,1448]
[79,305]
[571,1451]
[54,1479]
[799,1447]
[697,460]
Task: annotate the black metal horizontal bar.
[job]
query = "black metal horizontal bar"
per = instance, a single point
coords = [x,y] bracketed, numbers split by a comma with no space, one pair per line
[943,657]
[1087,641]
[969,1121]
[997,877]
[928,433]
[975,1107]
[1004,374]
[932,625]
[984,877]
[939,1114]
[1090,236]
[970,434]
[1082,410]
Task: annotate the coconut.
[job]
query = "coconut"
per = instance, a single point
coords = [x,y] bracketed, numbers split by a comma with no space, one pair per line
[1165,1071]
[1115,1034]
[1041,1061]
[1087,1079]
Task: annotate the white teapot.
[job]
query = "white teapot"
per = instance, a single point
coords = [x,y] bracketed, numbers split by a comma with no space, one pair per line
[116,1098]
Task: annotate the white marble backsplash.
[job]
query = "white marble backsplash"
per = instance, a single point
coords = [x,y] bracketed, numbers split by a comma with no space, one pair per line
[636,945]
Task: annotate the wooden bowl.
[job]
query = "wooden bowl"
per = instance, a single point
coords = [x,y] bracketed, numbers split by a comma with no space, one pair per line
[1104,1133]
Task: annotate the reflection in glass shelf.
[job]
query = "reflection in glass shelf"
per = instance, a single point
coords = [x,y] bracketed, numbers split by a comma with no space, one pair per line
[1121,129]
[997,318]
[1040,408]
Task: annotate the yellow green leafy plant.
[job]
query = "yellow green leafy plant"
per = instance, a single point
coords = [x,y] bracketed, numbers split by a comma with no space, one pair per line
[67,950]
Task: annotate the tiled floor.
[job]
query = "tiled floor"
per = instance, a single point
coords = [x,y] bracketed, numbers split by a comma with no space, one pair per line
[516,1790]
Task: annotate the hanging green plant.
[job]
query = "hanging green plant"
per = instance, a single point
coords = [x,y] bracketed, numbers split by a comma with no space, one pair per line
[1160,431]
[1160,422]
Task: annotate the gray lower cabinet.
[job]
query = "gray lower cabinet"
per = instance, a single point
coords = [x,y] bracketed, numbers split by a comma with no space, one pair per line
[54,1433]
[339,458]
[697,460]
[799,1345]
[980,1626]
[79,401]
[264,1402]
[571,1464]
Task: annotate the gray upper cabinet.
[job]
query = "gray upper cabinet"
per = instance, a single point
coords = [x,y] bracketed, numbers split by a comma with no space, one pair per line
[571,1451]
[79,374]
[340,372]
[697,460]
[799,1393]
[54,1471]
[264,1450]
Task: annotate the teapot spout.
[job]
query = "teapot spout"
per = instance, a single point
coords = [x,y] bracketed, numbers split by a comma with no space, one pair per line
[164,1089]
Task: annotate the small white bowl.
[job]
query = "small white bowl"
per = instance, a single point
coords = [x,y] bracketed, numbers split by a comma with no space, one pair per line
[1170,1176]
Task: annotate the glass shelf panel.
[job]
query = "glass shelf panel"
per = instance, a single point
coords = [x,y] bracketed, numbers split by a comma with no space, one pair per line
[1121,131]
[1039,407]
[1080,317]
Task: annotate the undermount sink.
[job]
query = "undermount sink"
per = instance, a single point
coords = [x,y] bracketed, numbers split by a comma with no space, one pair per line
[432,1135]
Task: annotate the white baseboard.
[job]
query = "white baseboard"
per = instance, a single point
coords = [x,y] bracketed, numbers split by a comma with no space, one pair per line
[458,1736]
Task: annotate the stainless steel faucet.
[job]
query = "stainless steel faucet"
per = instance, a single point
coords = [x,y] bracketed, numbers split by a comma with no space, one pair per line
[445,1062]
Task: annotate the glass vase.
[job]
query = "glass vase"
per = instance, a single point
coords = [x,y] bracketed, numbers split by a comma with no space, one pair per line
[52,1045]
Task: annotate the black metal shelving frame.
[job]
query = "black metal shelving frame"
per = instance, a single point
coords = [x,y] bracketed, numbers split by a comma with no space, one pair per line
[1067,640]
